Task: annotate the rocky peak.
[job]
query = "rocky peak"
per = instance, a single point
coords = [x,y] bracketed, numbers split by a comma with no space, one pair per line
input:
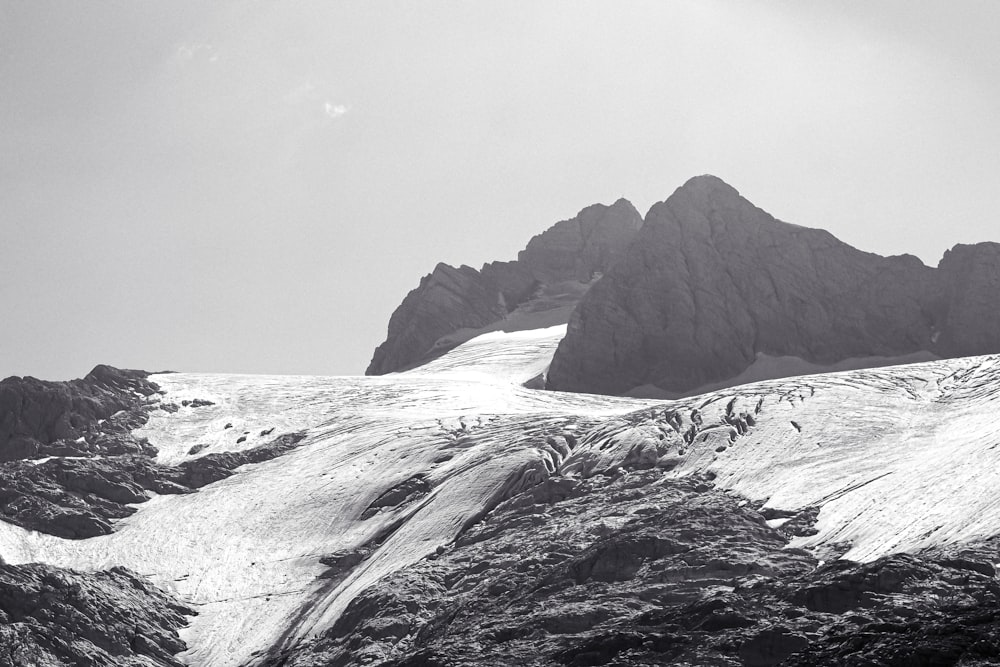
[711,283]
[447,300]
[970,277]
[450,301]
[591,242]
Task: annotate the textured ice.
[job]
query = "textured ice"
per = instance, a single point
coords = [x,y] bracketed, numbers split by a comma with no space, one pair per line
[897,458]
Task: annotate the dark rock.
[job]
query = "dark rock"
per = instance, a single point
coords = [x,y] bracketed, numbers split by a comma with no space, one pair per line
[52,616]
[447,300]
[451,300]
[39,418]
[771,647]
[579,248]
[971,277]
[80,498]
[196,403]
[711,281]
[645,569]
[399,495]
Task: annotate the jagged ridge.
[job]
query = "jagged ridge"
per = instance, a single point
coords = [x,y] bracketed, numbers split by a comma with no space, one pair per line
[452,300]
[711,282]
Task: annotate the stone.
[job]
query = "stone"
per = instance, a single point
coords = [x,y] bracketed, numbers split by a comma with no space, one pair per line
[40,418]
[54,616]
[454,300]
[711,282]
[650,569]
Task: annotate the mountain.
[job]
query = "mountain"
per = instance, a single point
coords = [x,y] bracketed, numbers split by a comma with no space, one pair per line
[449,515]
[455,513]
[714,290]
[549,276]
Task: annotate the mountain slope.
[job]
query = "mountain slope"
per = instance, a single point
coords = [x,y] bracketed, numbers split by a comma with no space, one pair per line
[394,471]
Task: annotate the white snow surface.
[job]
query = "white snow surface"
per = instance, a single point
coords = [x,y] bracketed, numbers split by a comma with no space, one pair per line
[898,458]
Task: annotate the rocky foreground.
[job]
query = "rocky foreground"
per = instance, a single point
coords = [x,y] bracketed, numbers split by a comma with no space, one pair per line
[53,616]
[638,568]
[71,465]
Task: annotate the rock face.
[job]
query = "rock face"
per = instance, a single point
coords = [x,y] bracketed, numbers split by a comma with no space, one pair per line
[447,300]
[971,277]
[643,569]
[711,281]
[52,616]
[450,300]
[577,249]
[39,418]
[77,498]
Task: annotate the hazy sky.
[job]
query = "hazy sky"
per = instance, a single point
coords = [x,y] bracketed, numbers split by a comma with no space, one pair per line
[254,186]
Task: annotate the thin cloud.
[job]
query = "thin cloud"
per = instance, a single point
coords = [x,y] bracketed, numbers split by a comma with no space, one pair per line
[186,52]
[335,110]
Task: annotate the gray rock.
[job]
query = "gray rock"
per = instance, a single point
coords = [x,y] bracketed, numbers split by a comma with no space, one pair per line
[447,300]
[578,248]
[450,300]
[54,616]
[711,281]
[971,283]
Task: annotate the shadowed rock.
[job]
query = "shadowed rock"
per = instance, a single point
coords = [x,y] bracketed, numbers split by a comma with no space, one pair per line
[53,616]
[711,282]
[40,418]
[450,300]
[644,569]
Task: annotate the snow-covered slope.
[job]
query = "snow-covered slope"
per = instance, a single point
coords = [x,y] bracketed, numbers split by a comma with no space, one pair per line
[400,464]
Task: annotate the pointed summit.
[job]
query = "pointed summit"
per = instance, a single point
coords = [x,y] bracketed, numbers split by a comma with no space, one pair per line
[555,269]
[707,185]
[712,282]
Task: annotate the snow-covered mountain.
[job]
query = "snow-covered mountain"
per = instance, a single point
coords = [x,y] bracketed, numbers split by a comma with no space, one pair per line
[394,469]
[457,513]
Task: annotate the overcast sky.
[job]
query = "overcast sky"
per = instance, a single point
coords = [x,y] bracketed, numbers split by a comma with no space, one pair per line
[254,186]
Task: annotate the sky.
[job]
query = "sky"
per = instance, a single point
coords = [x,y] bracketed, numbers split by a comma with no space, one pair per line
[254,186]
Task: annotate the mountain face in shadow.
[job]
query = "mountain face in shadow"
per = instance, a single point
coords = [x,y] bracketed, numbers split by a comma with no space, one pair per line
[712,282]
[538,289]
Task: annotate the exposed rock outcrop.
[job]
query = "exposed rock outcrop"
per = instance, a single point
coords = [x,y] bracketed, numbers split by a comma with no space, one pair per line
[644,569]
[711,282]
[451,300]
[51,616]
[40,418]
[447,300]
[578,248]
[77,498]
[71,465]
[971,278]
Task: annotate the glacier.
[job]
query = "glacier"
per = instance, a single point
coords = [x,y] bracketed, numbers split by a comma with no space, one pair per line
[895,459]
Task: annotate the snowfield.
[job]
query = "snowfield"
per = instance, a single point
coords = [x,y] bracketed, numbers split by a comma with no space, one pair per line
[896,458]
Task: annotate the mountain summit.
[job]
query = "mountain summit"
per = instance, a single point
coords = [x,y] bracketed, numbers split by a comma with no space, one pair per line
[713,286]
[708,291]
[538,289]
[456,514]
